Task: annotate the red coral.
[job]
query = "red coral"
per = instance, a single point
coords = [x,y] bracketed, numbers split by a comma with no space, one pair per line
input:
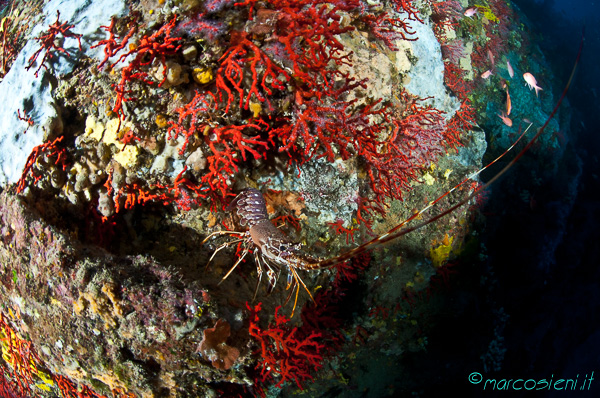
[454,79]
[192,118]
[339,229]
[463,120]
[226,144]
[50,150]
[129,138]
[323,130]
[348,271]
[24,117]
[453,51]
[213,347]
[180,193]
[287,219]
[416,140]
[48,42]
[407,7]
[19,354]
[389,29]
[308,32]
[242,51]
[70,389]
[158,45]
[134,195]
[284,352]
[111,46]
[300,66]
[445,14]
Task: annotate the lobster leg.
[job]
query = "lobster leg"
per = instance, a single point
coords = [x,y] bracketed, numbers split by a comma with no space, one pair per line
[259,272]
[289,296]
[273,274]
[219,233]
[239,260]
[223,246]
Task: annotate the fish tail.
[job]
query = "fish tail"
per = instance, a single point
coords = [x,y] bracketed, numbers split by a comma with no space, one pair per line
[537,89]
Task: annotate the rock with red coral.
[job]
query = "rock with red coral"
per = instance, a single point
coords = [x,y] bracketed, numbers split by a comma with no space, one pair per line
[286,353]
[213,347]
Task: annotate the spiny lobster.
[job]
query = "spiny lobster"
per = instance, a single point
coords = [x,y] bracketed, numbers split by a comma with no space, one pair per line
[274,251]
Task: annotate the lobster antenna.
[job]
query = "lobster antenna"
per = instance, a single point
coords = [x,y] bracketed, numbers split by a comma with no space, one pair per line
[397,232]
[390,235]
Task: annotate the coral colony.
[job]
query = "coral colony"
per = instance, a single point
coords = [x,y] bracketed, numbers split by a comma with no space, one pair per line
[251,79]
[187,105]
[48,44]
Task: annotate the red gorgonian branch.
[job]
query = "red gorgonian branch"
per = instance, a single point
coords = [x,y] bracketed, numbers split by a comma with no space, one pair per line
[48,41]
[284,352]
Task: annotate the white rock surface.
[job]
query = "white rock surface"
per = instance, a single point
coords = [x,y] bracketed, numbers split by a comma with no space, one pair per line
[21,90]
[427,76]
[427,80]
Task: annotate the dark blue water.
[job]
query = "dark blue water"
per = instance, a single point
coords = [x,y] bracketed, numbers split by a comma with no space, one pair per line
[537,315]
[547,258]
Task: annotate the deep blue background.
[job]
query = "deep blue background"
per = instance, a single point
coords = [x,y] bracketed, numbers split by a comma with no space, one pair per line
[554,324]
[551,297]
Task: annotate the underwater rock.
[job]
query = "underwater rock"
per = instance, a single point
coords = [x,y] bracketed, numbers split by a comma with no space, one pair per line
[105,252]
[33,95]
[121,316]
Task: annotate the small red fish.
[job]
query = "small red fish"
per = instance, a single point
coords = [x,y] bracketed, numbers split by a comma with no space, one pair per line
[491,56]
[511,71]
[531,82]
[486,74]
[470,12]
[508,104]
[532,202]
[505,119]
